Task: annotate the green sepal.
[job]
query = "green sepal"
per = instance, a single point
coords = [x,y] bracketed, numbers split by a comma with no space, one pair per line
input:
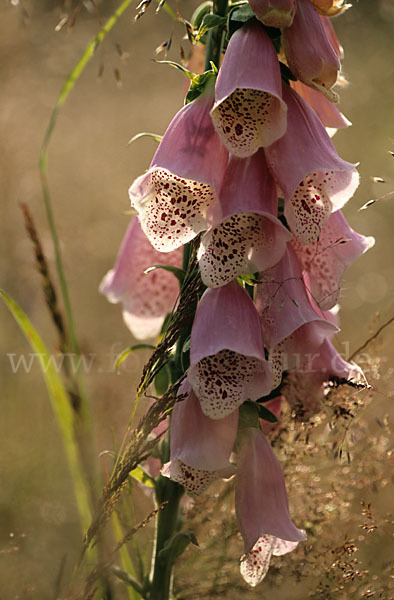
[177,545]
[138,136]
[142,476]
[210,21]
[199,84]
[179,273]
[266,414]
[248,415]
[238,16]
[178,66]
[286,74]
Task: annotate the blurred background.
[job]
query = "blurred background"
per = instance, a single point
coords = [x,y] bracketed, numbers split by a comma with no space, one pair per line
[122,92]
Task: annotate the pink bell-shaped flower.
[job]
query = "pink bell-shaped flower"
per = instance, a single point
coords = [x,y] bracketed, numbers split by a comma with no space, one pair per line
[309,52]
[146,298]
[326,259]
[200,446]
[304,389]
[327,112]
[261,506]
[249,111]
[174,196]
[245,235]
[274,13]
[227,360]
[314,180]
[292,328]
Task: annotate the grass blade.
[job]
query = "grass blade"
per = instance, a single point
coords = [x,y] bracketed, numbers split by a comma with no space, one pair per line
[61,408]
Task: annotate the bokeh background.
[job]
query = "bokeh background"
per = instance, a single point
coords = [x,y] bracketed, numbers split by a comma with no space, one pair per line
[122,92]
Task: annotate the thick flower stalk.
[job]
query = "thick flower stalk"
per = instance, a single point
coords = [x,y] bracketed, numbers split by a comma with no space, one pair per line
[249,167]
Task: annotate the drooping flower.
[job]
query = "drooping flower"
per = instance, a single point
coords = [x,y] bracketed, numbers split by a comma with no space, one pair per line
[261,506]
[292,328]
[304,388]
[245,235]
[200,446]
[326,259]
[314,180]
[174,196]
[227,366]
[327,112]
[146,298]
[309,52]
[274,13]
[249,111]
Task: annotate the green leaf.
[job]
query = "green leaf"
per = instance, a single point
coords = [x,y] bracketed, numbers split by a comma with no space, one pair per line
[138,136]
[129,580]
[140,475]
[61,407]
[248,415]
[210,21]
[128,351]
[241,14]
[177,545]
[179,273]
[178,66]
[266,414]
[200,83]
[134,591]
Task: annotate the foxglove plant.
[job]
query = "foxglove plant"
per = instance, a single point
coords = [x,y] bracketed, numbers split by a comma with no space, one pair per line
[247,180]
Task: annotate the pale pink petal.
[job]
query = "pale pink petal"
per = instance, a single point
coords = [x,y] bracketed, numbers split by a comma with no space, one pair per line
[329,364]
[174,196]
[246,235]
[197,440]
[282,301]
[314,180]
[309,51]
[326,259]
[227,368]
[274,13]
[304,389]
[249,111]
[255,564]
[332,36]
[195,481]
[327,112]
[260,493]
[146,298]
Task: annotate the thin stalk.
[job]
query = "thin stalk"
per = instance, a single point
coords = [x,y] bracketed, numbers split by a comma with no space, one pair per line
[68,86]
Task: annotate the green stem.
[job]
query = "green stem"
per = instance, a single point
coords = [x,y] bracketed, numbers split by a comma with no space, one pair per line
[215,37]
[168,521]
[167,525]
